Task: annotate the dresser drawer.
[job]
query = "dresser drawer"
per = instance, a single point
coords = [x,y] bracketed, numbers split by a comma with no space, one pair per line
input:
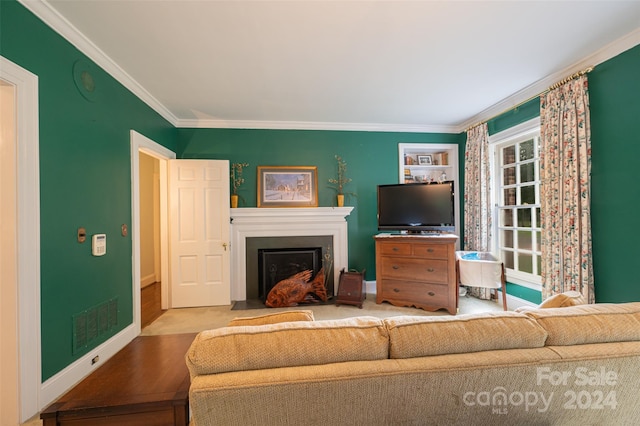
[435,271]
[431,251]
[426,294]
[389,248]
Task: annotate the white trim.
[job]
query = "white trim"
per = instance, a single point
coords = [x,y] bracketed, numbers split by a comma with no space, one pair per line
[28,233]
[311,125]
[43,10]
[64,380]
[522,130]
[50,16]
[140,143]
[515,134]
[514,302]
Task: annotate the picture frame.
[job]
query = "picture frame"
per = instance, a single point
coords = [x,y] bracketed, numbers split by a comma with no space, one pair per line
[425,160]
[287,186]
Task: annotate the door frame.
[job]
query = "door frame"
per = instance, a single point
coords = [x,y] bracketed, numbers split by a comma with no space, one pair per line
[28,236]
[140,143]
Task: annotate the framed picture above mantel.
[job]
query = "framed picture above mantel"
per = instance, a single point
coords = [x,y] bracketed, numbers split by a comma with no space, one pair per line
[287,186]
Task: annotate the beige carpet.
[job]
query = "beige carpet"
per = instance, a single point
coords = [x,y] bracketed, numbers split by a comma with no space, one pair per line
[191,320]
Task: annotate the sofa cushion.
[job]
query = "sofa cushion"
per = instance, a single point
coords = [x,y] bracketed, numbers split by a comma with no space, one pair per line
[568,298]
[599,323]
[273,318]
[425,336]
[288,344]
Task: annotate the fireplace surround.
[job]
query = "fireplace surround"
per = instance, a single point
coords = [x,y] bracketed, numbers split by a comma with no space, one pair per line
[281,222]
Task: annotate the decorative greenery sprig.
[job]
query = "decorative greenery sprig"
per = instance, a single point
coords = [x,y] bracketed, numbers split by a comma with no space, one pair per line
[342,180]
[236,176]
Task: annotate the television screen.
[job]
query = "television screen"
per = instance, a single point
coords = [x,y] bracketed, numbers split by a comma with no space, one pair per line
[416,207]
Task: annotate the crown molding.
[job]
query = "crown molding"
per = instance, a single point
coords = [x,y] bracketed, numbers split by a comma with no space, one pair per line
[51,17]
[43,10]
[609,51]
[312,125]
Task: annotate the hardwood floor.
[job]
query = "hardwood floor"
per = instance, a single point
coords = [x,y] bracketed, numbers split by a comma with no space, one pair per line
[150,307]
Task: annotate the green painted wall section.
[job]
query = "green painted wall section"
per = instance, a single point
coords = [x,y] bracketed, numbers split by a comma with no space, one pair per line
[524,293]
[372,159]
[518,115]
[614,95]
[85,175]
[85,180]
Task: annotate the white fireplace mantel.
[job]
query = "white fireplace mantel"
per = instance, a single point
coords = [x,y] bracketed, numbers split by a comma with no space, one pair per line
[285,222]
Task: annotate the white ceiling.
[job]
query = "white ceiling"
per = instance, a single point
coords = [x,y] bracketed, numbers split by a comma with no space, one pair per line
[372,65]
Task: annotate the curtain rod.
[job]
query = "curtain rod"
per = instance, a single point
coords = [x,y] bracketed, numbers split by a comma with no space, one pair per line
[552,87]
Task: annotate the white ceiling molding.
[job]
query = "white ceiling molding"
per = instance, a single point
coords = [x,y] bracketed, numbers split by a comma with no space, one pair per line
[43,10]
[300,125]
[613,49]
[62,26]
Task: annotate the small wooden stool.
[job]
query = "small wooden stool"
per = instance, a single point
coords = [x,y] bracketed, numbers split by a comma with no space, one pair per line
[351,288]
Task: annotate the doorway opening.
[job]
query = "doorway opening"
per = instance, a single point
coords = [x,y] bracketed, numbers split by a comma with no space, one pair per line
[145,150]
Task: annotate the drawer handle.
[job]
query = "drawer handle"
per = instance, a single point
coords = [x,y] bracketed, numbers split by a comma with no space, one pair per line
[395,267]
[395,249]
[430,250]
[431,293]
[430,270]
[396,290]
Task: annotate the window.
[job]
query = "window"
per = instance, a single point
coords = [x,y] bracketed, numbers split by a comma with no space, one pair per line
[516,197]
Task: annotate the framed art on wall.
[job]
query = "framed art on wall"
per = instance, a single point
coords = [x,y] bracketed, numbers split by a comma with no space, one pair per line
[425,160]
[287,186]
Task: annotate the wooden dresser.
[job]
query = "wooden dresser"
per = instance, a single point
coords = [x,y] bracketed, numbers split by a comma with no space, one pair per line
[417,270]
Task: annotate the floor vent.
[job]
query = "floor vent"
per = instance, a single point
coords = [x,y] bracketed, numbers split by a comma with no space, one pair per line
[91,324]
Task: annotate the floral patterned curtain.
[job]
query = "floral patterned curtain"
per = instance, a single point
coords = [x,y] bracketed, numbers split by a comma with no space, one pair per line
[565,178]
[477,190]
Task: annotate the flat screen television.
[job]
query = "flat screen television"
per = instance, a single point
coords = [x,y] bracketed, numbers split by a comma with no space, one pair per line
[416,207]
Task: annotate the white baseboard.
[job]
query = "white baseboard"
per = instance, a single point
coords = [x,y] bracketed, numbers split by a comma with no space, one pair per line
[63,381]
[148,280]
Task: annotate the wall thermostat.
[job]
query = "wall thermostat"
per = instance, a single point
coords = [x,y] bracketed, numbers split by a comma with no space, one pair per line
[99,244]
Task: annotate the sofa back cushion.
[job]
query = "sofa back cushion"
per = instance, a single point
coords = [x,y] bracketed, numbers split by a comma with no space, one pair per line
[582,324]
[273,318]
[288,344]
[412,337]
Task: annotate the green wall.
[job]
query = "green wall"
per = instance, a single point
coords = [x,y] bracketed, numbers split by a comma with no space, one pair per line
[85,175]
[614,95]
[372,159]
[85,181]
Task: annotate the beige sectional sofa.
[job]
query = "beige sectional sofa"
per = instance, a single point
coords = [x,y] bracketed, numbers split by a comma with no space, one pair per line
[556,366]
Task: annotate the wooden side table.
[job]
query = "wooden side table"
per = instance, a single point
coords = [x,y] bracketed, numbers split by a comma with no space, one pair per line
[146,383]
[351,288]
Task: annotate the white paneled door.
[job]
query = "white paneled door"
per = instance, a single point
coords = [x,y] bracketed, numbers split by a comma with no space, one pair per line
[199,233]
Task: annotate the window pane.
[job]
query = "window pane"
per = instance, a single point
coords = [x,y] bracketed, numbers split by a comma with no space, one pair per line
[526,150]
[507,258]
[524,240]
[537,248]
[528,195]
[527,173]
[538,223]
[525,263]
[509,176]
[510,197]
[506,239]
[506,217]
[524,218]
[509,155]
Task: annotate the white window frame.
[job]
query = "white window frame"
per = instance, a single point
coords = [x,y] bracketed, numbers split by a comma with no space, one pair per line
[519,133]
